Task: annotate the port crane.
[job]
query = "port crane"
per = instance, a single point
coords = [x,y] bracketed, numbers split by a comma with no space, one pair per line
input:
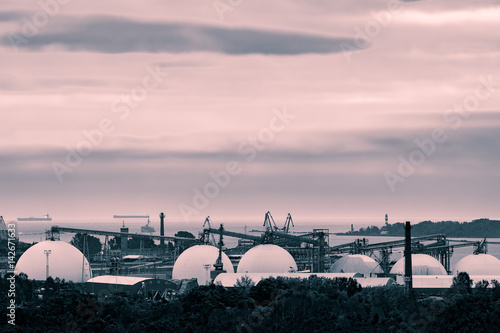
[207,223]
[270,224]
[318,239]
[288,221]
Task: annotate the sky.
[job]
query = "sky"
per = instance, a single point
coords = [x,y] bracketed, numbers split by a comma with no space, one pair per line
[333,111]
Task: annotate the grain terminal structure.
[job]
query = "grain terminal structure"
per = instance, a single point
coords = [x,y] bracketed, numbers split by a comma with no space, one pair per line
[276,252]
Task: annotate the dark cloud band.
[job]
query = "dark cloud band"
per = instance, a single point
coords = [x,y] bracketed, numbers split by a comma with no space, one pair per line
[112,35]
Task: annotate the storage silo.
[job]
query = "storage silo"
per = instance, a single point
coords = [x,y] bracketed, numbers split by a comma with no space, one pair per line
[267,258]
[422,264]
[198,262]
[57,259]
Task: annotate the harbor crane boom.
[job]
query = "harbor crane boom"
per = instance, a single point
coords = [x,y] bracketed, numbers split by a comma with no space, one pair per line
[207,222]
[289,220]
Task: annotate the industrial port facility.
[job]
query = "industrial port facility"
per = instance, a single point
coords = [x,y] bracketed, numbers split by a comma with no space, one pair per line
[274,252]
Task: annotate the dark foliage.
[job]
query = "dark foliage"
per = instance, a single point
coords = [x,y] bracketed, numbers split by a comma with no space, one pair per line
[184,244]
[273,305]
[135,243]
[462,283]
[93,244]
[481,228]
[184,234]
[115,243]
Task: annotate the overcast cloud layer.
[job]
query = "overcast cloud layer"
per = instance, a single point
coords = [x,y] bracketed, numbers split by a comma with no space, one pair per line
[178,93]
[112,35]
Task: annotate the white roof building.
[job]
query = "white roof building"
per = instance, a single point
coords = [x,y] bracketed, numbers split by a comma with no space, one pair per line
[422,264]
[197,262]
[267,258]
[148,287]
[478,264]
[117,279]
[356,263]
[229,280]
[444,281]
[64,261]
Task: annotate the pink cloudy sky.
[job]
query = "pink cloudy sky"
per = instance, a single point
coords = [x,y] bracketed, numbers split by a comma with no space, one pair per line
[357,111]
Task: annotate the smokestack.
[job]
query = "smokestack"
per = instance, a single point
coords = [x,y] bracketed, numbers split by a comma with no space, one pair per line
[124,239]
[408,266]
[162,230]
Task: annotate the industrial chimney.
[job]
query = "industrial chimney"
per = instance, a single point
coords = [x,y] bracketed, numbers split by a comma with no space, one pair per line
[124,239]
[408,266]
[162,231]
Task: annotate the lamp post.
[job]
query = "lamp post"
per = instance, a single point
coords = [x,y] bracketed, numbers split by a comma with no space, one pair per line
[47,253]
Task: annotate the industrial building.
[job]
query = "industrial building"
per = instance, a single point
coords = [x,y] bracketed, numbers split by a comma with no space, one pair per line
[275,252]
[149,288]
[230,280]
[441,283]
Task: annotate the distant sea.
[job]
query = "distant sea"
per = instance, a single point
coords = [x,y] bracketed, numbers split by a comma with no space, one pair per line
[34,231]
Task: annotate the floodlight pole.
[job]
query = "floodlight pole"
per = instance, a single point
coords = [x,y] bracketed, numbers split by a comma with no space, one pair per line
[207,273]
[47,253]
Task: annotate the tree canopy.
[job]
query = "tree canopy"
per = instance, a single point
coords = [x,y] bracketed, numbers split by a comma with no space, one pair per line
[273,305]
[93,244]
[481,228]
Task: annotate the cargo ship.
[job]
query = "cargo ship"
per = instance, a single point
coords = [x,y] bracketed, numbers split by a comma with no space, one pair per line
[46,217]
[147,228]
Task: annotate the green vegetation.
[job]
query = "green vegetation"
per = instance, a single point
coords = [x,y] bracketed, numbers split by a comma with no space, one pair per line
[92,244]
[185,244]
[273,305]
[481,228]
[185,234]
[21,247]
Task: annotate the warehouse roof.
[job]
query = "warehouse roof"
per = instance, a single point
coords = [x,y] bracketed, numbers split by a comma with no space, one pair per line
[119,280]
[230,279]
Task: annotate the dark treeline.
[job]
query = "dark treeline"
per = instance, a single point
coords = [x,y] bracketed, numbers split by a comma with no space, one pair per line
[274,305]
[482,228]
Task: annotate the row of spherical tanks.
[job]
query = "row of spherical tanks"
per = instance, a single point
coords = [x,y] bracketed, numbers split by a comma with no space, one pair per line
[198,261]
[67,262]
[63,260]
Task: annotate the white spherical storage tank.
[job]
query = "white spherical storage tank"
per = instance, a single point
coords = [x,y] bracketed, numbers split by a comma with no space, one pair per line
[422,264]
[197,262]
[64,261]
[356,263]
[267,258]
[478,264]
